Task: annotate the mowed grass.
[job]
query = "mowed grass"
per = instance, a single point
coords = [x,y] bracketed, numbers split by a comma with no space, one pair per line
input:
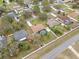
[38,21]
[49,37]
[76,46]
[53,45]
[60,6]
[77,18]
[1,2]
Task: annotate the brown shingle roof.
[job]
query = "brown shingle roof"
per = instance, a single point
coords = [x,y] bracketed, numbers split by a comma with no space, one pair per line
[36,28]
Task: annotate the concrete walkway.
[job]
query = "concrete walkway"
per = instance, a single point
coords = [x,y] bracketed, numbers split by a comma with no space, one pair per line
[28,22]
[53,14]
[74,51]
[72,18]
[49,30]
[68,7]
[53,8]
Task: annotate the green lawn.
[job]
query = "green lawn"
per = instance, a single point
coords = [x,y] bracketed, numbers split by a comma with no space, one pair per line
[77,18]
[58,29]
[60,6]
[1,2]
[67,10]
[49,37]
[37,21]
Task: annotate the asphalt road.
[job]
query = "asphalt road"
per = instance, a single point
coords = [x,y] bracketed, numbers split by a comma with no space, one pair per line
[55,52]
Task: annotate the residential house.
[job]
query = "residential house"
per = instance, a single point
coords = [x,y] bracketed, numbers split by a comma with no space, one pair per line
[65,19]
[13,15]
[20,35]
[52,22]
[3,41]
[38,28]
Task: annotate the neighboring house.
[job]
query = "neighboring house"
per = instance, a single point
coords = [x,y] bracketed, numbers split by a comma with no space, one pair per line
[20,35]
[65,19]
[52,22]
[3,41]
[38,28]
[13,15]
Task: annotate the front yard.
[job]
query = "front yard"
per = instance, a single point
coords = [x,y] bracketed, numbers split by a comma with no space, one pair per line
[48,37]
[60,6]
[53,45]
[77,18]
[1,2]
[38,21]
[59,30]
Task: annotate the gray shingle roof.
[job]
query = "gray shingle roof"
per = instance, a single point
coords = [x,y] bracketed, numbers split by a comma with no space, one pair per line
[20,35]
[13,15]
